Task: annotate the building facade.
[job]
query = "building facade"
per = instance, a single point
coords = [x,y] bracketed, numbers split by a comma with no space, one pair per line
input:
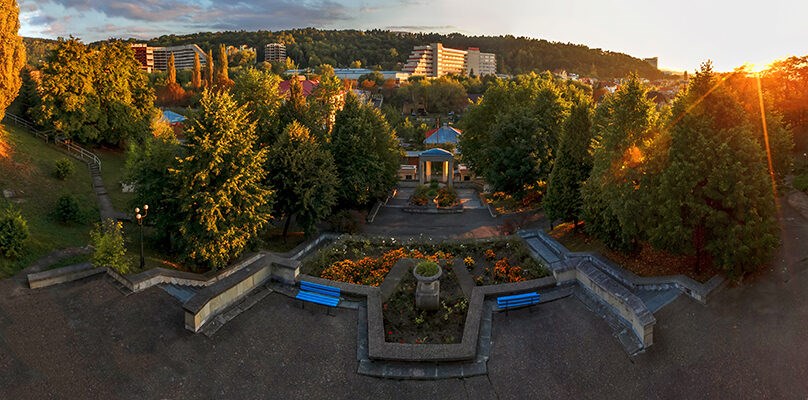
[144,55]
[183,57]
[274,52]
[434,60]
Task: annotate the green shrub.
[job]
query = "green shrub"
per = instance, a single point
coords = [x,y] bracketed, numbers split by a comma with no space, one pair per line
[426,268]
[801,182]
[13,232]
[447,197]
[344,222]
[64,168]
[107,238]
[67,209]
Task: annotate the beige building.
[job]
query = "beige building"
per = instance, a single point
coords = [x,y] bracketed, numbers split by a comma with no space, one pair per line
[183,56]
[274,52]
[434,60]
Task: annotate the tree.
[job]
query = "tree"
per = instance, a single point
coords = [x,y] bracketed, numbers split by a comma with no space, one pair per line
[572,166]
[196,75]
[356,64]
[12,53]
[148,169]
[209,69]
[511,137]
[304,178]
[109,250]
[625,122]
[94,96]
[172,93]
[222,78]
[715,198]
[29,95]
[367,154]
[296,107]
[326,100]
[258,90]
[13,233]
[223,203]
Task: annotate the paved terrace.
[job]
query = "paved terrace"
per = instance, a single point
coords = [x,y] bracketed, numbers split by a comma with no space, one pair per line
[88,340]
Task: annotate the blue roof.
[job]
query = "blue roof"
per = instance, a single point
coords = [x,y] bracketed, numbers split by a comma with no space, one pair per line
[172,117]
[444,134]
[435,152]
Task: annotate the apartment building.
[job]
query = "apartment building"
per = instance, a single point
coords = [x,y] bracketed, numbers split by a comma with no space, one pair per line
[144,55]
[434,60]
[275,52]
[183,56]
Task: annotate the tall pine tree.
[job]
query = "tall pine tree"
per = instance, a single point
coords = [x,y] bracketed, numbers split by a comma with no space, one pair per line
[209,69]
[223,201]
[196,74]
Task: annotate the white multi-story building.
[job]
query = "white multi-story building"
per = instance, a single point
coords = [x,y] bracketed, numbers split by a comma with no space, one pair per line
[434,60]
[183,56]
[275,52]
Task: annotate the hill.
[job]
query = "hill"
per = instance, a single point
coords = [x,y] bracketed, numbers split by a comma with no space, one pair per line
[389,50]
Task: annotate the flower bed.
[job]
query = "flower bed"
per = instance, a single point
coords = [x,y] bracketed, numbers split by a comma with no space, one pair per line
[423,195]
[404,323]
[367,261]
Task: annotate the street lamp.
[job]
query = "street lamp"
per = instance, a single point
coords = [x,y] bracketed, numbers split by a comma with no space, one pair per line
[140,217]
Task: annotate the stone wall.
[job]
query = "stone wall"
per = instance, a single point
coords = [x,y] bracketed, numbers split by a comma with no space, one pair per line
[62,275]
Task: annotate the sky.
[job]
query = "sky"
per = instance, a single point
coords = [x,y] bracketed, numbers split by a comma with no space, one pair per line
[681,33]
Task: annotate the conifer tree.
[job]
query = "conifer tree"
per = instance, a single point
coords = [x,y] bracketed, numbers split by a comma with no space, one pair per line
[209,69]
[303,175]
[222,78]
[572,166]
[172,70]
[12,53]
[715,198]
[612,196]
[196,74]
[223,201]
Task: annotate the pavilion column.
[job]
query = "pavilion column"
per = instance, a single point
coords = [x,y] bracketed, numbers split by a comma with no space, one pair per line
[451,171]
[421,171]
[446,172]
[428,171]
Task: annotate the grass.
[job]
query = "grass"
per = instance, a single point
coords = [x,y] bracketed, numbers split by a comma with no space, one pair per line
[801,182]
[113,169]
[26,168]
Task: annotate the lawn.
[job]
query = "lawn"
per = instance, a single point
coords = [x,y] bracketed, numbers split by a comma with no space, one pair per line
[26,169]
[113,168]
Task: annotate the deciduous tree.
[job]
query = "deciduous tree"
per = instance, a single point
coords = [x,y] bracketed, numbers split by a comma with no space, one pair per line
[12,53]
[303,175]
[258,90]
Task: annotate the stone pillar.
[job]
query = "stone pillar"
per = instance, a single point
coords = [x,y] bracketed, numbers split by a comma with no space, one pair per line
[428,171]
[427,295]
[451,172]
[446,172]
[421,171]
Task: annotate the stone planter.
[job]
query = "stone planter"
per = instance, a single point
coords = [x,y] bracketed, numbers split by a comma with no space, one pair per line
[427,293]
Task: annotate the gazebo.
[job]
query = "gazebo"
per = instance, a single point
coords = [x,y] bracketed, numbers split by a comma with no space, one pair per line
[425,160]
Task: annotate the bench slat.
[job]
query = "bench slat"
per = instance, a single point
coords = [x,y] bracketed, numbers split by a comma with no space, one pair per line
[317,288]
[518,300]
[317,298]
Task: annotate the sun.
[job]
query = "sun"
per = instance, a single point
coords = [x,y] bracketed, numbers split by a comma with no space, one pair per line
[755,68]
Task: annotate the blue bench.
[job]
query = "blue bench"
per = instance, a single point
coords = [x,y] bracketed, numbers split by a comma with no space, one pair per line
[320,294]
[517,301]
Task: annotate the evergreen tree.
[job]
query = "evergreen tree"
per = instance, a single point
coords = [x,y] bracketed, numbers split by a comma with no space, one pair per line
[223,201]
[368,154]
[172,70]
[572,166]
[12,53]
[258,90]
[173,93]
[304,178]
[209,69]
[222,77]
[613,195]
[715,198]
[196,74]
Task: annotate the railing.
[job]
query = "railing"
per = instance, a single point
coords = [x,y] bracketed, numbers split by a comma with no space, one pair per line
[72,149]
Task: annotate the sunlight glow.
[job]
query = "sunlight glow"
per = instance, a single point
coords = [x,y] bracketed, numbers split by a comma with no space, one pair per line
[766,135]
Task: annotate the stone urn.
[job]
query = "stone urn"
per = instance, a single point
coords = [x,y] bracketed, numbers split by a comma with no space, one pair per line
[427,293]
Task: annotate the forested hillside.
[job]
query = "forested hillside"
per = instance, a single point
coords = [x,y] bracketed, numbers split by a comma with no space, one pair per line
[311,47]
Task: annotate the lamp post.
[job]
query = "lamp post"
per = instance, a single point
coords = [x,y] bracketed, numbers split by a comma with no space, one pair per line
[140,217]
